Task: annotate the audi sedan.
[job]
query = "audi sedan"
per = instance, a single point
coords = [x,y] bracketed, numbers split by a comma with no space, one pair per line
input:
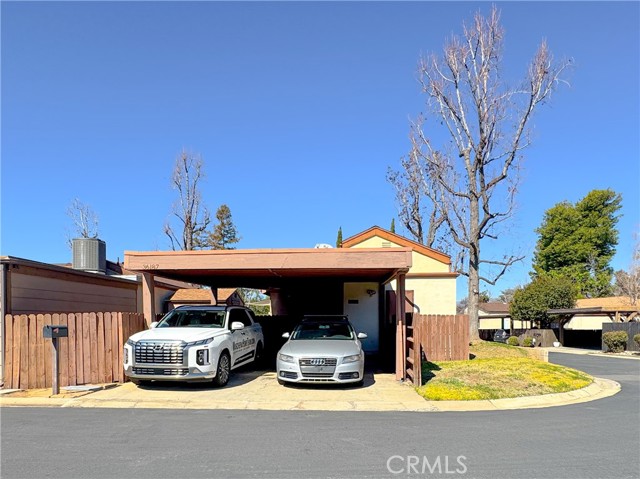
[322,349]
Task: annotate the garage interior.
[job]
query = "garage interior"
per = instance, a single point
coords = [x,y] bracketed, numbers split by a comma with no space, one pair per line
[299,282]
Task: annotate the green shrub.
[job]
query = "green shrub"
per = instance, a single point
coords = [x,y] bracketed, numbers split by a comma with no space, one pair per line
[636,339]
[513,341]
[616,341]
[527,342]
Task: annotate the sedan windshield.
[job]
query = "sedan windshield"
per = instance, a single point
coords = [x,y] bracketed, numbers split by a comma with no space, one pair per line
[323,330]
[192,319]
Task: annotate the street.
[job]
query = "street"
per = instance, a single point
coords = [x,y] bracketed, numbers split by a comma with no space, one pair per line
[597,439]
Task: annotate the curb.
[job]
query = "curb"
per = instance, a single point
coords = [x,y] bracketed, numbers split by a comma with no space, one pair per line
[599,389]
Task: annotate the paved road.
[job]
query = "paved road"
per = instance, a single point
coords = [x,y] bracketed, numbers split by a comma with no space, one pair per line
[599,439]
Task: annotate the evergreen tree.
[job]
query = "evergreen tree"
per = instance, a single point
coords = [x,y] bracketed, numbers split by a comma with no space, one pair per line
[339,239]
[393,225]
[578,242]
[224,233]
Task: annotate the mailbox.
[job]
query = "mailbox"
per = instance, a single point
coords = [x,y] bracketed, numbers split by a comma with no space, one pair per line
[55,331]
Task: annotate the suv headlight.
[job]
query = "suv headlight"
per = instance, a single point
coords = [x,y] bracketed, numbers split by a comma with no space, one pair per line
[199,343]
[130,342]
[286,358]
[351,359]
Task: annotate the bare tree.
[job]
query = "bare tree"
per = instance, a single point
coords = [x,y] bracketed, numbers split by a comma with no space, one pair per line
[472,180]
[192,215]
[628,282]
[85,221]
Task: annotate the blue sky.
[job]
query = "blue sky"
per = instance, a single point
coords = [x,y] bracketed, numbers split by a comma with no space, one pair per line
[297,109]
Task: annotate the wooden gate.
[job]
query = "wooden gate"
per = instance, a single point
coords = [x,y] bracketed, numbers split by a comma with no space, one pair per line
[439,338]
[92,353]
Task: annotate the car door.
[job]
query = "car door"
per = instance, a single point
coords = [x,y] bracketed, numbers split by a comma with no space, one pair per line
[240,339]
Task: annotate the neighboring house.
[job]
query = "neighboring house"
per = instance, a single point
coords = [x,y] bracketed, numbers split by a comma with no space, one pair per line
[591,313]
[430,283]
[32,287]
[200,296]
[494,315]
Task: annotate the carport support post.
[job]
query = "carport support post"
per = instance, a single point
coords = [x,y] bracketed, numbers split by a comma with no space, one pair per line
[401,330]
[148,298]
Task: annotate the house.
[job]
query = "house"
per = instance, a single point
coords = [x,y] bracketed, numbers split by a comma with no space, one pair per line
[196,296]
[494,315]
[359,280]
[91,285]
[430,282]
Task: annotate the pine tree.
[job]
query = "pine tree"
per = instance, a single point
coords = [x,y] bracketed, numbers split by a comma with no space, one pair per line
[224,234]
[393,225]
[339,239]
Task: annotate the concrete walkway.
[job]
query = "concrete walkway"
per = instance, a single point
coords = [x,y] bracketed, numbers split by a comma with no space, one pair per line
[260,391]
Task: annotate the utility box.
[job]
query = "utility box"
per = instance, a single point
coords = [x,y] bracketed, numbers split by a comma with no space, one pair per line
[55,331]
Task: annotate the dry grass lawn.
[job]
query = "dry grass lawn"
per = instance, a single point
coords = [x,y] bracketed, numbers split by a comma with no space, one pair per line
[497,371]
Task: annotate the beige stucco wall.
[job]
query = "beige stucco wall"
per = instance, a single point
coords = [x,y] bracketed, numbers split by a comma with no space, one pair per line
[431,295]
[420,262]
[587,322]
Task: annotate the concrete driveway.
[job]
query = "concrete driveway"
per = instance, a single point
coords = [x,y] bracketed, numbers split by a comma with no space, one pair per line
[260,390]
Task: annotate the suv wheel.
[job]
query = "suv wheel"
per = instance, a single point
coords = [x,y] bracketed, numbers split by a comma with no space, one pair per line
[223,371]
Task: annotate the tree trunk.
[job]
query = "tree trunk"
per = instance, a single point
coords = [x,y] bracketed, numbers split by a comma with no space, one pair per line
[474,274]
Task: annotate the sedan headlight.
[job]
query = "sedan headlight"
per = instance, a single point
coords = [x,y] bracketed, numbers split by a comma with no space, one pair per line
[286,358]
[199,343]
[351,359]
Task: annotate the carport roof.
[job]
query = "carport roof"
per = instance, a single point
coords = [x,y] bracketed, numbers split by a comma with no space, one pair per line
[272,267]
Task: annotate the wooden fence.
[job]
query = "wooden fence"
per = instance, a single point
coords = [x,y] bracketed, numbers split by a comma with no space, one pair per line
[631,328]
[91,354]
[439,337]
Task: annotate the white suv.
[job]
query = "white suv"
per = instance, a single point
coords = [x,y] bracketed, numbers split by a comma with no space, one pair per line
[194,343]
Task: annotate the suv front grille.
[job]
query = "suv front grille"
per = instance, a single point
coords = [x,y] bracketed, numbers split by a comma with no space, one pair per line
[159,352]
[161,371]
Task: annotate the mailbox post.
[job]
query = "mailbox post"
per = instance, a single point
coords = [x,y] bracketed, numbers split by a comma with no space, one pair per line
[54,332]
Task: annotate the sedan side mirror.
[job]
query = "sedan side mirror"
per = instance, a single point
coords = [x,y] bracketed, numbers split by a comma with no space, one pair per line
[236,326]
[153,325]
[362,335]
[286,335]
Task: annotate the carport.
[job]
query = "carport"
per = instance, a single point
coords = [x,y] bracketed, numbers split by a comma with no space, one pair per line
[301,281]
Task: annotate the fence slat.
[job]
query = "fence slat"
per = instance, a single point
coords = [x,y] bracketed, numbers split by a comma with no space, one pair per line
[116,325]
[86,348]
[41,378]
[71,370]
[108,349]
[16,351]
[93,344]
[80,348]
[24,352]
[63,344]
[48,364]
[121,323]
[100,344]
[7,350]
[31,352]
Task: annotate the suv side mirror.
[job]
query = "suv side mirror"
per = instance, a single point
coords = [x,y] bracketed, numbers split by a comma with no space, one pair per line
[236,326]
[286,335]
[362,335]
[153,325]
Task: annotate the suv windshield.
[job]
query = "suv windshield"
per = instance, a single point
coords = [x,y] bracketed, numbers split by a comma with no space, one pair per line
[323,330]
[192,319]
